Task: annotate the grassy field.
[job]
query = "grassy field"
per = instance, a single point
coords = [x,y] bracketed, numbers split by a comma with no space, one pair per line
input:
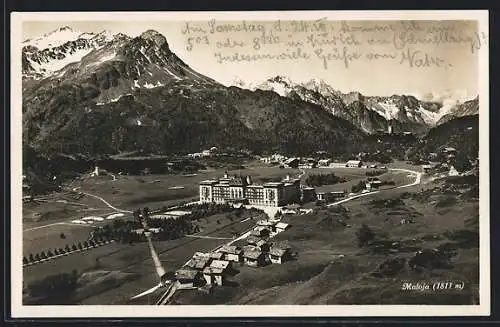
[332,269]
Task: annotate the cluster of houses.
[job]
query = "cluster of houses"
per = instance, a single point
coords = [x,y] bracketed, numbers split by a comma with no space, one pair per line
[309,163]
[442,161]
[256,250]
[306,163]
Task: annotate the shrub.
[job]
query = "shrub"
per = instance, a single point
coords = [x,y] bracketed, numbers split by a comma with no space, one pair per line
[364,235]
[56,286]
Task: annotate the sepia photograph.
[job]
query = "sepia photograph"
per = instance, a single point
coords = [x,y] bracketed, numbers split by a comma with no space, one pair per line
[250,163]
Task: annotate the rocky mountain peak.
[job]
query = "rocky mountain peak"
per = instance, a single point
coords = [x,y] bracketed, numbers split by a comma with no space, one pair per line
[157,38]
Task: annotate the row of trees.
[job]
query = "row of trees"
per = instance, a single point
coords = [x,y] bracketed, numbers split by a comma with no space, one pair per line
[323,179]
[124,231]
[31,258]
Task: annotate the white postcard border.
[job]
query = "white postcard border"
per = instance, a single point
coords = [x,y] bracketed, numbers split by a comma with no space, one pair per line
[18,310]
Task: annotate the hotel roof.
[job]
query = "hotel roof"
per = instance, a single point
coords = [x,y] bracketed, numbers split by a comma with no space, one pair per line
[208,182]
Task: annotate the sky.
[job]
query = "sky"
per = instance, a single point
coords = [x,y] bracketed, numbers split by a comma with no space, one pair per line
[456,71]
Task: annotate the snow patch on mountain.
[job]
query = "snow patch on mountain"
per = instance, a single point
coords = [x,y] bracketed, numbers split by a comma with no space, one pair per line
[52,66]
[56,38]
[387,109]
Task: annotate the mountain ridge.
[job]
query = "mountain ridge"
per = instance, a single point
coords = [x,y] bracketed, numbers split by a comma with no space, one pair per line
[136,94]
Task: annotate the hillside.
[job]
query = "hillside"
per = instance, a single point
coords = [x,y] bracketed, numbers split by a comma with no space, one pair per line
[460,133]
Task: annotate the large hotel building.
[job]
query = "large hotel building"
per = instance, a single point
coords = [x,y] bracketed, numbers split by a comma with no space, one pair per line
[241,189]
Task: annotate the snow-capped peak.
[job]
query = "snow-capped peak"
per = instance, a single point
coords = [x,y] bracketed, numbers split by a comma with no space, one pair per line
[105,36]
[55,38]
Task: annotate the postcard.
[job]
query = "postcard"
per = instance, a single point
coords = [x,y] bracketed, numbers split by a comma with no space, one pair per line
[250,164]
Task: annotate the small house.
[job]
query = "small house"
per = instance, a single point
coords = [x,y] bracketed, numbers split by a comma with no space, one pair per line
[213,276]
[188,277]
[279,254]
[232,253]
[254,257]
[281,227]
[224,265]
[353,163]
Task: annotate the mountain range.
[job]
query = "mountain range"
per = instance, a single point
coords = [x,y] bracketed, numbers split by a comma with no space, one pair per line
[371,113]
[104,93]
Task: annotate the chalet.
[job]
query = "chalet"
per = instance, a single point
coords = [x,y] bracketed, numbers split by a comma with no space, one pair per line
[232,253]
[215,273]
[254,257]
[353,163]
[221,264]
[281,227]
[199,261]
[278,254]
[188,277]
